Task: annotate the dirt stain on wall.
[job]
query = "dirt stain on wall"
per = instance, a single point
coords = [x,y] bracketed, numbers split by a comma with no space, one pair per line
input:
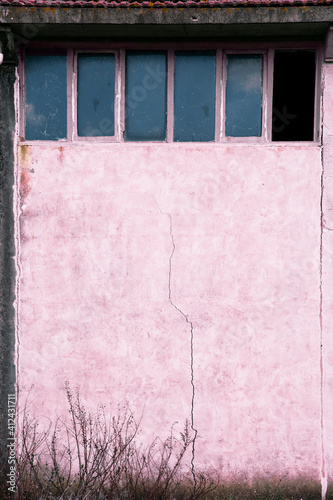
[26,170]
[24,185]
[24,155]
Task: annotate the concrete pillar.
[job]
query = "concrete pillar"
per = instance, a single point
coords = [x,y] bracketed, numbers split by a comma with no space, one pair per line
[7,241]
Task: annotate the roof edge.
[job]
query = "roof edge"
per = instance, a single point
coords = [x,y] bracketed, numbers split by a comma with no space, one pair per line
[153,4]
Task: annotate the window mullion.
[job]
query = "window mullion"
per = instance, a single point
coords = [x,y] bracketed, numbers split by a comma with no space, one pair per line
[268,95]
[223,94]
[120,96]
[170,94]
[219,108]
[22,108]
[317,104]
[71,94]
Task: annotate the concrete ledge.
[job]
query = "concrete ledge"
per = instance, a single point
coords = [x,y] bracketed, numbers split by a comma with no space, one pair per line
[188,16]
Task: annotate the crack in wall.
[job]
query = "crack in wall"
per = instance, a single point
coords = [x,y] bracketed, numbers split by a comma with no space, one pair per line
[323,474]
[323,465]
[195,431]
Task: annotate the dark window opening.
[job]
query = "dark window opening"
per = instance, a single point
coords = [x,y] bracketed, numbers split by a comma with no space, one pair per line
[293,96]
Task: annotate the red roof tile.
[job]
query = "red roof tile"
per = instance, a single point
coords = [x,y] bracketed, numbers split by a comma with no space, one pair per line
[158,3]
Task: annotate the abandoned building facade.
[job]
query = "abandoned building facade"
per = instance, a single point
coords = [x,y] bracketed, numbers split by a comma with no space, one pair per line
[166,215]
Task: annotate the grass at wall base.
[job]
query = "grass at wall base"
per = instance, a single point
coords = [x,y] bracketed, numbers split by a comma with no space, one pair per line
[94,457]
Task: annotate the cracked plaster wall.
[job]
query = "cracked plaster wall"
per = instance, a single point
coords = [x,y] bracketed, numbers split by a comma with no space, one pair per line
[127,248]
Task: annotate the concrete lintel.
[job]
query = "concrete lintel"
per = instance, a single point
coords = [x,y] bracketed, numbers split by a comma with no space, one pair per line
[187,16]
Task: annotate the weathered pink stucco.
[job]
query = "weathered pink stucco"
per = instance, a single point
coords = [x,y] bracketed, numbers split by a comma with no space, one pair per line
[120,243]
[327,273]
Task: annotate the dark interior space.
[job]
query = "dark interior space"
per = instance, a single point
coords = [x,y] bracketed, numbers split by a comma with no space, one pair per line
[293,96]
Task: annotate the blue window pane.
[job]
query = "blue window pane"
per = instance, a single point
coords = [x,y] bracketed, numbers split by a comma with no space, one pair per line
[46,97]
[194,104]
[96,94]
[244,95]
[146,97]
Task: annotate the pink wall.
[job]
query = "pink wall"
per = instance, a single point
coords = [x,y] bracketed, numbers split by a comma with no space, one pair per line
[98,225]
[327,273]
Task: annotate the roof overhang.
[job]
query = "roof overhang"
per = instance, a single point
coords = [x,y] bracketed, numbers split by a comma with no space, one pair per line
[257,22]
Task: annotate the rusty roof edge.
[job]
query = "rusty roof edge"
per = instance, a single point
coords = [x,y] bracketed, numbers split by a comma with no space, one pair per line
[161,3]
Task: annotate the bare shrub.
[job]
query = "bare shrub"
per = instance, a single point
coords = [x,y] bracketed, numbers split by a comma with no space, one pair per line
[96,457]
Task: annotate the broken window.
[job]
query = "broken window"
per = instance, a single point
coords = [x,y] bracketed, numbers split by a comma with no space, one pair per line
[171,95]
[293,96]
